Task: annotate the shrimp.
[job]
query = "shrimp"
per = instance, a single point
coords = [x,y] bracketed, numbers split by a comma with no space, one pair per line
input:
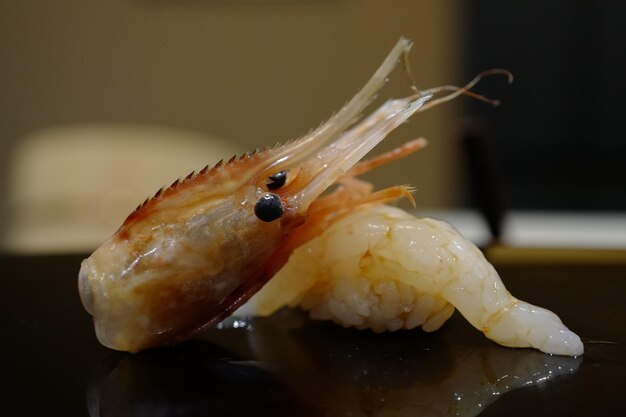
[382,268]
[189,256]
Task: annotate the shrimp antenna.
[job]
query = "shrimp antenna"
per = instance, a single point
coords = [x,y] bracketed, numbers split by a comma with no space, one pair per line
[406,65]
[465,90]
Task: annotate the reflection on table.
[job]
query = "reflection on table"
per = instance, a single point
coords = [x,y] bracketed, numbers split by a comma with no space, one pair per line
[289,365]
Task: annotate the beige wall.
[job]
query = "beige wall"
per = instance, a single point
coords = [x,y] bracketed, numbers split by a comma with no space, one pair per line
[255,72]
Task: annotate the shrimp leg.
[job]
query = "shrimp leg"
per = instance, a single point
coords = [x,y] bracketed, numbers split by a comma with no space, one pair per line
[354,192]
[394,154]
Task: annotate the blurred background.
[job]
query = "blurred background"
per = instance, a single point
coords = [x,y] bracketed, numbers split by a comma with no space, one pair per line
[102,103]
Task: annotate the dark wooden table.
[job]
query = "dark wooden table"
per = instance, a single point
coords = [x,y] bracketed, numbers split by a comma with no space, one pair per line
[52,363]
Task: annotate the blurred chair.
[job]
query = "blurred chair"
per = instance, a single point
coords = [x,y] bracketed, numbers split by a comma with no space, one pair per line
[70,187]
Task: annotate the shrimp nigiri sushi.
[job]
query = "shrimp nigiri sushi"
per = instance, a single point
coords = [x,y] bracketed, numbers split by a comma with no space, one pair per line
[384,269]
[192,254]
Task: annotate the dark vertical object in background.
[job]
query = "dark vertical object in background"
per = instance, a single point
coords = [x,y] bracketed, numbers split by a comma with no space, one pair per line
[559,135]
[484,174]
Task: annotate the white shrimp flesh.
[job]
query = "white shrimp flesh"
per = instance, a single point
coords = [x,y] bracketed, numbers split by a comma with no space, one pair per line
[384,269]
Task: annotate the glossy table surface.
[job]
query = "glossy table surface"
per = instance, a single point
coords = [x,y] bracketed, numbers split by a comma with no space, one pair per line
[287,364]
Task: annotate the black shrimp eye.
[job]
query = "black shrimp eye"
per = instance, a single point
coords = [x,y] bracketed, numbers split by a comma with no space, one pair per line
[269,208]
[277,180]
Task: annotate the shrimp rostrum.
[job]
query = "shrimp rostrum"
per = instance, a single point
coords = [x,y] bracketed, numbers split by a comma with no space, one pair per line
[197,250]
